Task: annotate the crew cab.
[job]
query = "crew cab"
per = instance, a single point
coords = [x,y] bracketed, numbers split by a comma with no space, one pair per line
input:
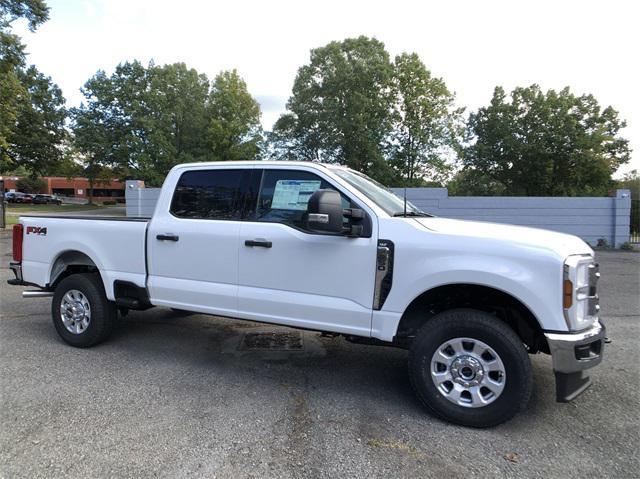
[325,248]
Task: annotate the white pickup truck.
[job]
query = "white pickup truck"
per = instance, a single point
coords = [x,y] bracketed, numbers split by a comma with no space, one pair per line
[324,248]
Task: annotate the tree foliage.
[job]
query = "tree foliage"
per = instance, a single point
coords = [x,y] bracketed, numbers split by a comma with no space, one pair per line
[341,107]
[471,182]
[233,131]
[32,111]
[141,121]
[31,184]
[36,139]
[352,105]
[546,143]
[35,12]
[427,125]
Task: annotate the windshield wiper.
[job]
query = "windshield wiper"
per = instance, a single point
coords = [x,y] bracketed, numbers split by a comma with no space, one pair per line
[412,213]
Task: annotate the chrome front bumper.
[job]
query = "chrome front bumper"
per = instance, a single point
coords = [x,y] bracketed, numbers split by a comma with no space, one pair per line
[572,354]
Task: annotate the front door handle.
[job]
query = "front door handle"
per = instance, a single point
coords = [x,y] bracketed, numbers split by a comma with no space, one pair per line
[258,243]
[167,237]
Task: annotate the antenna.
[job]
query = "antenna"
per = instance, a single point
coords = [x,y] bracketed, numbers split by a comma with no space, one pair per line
[405,200]
[406,180]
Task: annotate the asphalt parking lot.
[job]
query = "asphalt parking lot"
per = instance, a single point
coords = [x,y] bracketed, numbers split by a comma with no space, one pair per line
[172,396]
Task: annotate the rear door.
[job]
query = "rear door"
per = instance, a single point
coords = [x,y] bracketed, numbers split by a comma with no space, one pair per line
[193,244]
[292,276]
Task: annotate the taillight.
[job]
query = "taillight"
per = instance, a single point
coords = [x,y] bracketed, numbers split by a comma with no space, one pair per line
[17,242]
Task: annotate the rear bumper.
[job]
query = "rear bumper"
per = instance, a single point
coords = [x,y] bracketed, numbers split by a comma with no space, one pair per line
[573,354]
[17,272]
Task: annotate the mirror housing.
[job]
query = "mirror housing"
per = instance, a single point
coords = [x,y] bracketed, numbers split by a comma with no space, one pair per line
[324,211]
[325,214]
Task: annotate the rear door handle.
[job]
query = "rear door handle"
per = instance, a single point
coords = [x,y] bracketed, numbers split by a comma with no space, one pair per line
[258,243]
[167,237]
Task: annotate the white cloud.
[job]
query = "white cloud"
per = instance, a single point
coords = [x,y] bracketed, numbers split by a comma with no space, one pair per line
[588,45]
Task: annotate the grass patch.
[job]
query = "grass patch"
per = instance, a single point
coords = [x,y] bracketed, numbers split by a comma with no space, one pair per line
[24,209]
[10,220]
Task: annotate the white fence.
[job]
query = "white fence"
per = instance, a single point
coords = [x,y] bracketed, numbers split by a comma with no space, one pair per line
[591,218]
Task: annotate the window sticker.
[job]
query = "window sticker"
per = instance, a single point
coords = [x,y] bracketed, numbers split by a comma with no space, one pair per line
[293,194]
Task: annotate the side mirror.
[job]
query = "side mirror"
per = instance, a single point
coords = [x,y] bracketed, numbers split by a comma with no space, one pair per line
[324,211]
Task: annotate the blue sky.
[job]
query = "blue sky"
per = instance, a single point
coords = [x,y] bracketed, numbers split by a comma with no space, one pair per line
[590,46]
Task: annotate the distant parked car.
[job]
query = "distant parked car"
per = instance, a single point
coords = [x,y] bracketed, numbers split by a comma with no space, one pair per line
[23,198]
[12,196]
[46,200]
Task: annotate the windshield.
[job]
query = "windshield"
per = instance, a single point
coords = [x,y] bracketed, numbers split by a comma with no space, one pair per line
[381,196]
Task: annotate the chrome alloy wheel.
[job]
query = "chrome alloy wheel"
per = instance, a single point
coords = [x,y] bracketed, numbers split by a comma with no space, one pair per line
[468,372]
[75,311]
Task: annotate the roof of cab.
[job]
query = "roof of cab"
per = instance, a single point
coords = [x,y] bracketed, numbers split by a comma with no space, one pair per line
[205,164]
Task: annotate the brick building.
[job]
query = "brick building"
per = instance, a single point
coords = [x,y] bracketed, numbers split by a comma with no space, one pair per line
[74,187]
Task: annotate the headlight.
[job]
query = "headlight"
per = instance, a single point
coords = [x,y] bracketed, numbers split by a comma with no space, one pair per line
[579,295]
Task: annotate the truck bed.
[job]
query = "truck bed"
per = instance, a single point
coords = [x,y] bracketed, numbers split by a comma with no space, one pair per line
[116,245]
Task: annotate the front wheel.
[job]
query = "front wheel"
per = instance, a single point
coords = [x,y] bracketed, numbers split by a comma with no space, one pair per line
[470,368]
[81,312]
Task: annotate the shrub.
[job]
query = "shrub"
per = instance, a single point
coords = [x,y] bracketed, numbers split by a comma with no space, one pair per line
[602,243]
[108,203]
[31,184]
[626,246]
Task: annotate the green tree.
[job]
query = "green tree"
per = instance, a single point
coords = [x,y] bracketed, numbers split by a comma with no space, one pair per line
[341,108]
[471,182]
[39,130]
[427,125]
[233,115]
[546,144]
[141,121]
[111,126]
[35,12]
[31,184]
[12,59]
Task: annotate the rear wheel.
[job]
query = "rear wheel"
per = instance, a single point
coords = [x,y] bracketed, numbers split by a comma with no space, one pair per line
[470,368]
[81,312]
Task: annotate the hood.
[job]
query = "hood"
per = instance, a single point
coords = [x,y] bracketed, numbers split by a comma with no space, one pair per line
[560,243]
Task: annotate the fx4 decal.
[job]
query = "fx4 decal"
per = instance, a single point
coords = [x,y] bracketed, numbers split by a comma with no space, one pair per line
[36,230]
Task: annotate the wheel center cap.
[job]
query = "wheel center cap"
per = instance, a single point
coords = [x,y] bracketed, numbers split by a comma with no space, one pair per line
[77,310]
[467,370]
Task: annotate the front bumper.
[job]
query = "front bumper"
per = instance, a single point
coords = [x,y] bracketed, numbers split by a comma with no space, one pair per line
[572,354]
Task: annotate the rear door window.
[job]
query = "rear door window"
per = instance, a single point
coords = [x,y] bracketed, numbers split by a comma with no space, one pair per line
[210,194]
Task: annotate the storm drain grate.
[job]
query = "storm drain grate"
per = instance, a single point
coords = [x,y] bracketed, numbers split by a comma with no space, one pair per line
[272,341]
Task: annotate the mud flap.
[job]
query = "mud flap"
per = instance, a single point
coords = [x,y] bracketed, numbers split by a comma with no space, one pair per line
[570,385]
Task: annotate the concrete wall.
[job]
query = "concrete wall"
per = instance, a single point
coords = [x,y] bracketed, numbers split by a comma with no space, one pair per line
[589,218]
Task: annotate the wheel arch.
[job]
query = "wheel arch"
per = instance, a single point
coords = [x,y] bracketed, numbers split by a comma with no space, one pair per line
[71,262]
[504,305]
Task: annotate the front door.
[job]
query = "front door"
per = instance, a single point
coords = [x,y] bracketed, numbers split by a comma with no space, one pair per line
[289,275]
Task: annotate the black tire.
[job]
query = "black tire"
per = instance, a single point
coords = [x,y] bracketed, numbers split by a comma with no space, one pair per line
[481,326]
[103,311]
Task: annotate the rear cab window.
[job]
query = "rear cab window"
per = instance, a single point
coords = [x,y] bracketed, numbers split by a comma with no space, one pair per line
[216,194]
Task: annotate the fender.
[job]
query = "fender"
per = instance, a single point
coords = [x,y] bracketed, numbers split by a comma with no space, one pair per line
[519,277]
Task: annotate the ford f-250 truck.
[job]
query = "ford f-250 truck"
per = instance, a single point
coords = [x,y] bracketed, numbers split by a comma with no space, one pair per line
[324,248]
